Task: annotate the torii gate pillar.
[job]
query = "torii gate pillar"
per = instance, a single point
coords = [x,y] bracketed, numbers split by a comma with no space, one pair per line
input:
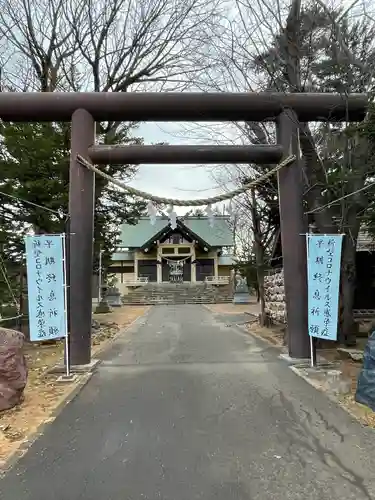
[293,227]
[81,238]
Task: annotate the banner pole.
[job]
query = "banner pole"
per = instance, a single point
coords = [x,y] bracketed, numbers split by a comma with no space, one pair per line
[100,277]
[313,351]
[313,358]
[67,356]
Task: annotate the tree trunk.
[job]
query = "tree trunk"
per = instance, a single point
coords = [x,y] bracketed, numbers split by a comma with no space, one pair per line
[260,278]
[259,258]
[257,289]
[347,326]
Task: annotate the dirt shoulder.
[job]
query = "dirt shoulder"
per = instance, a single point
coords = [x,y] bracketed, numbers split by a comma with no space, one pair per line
[43,394]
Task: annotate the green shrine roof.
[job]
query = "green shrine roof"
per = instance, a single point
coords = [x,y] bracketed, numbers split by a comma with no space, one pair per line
[218,236]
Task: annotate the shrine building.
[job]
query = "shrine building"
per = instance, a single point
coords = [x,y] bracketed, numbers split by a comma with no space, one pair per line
[193,252]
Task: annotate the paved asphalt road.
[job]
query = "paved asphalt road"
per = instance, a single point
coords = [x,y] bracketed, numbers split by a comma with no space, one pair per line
[191,409]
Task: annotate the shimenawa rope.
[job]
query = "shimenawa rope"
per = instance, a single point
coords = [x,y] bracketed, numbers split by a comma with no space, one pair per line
[188,203]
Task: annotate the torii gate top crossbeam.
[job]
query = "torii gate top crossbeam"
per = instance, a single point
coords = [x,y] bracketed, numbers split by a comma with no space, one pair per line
[123,106]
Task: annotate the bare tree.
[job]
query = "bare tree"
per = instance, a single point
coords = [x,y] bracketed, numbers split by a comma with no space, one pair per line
[255,223]
[352,50]
[121,46]
[36,39]
[302,47]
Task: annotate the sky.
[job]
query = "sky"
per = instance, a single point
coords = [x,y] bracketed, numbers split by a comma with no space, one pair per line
[177,181]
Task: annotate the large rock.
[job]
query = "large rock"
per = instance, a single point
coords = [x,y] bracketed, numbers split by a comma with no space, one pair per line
[13,369]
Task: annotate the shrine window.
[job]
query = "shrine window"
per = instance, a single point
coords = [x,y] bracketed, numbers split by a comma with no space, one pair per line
[183,250]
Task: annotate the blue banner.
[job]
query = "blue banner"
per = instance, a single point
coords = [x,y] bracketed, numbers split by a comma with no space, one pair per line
[323,279]
[45,283]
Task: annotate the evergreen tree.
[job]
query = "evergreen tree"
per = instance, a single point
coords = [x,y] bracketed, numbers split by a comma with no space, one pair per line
[34,180]
[323,50]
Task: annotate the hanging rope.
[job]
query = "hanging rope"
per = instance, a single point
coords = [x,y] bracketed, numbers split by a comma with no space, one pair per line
[188,203]
[175,261]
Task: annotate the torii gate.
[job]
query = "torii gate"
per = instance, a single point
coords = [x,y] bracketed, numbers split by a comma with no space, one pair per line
[84,109]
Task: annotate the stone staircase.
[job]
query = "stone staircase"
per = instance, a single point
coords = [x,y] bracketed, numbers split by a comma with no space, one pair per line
[181,293]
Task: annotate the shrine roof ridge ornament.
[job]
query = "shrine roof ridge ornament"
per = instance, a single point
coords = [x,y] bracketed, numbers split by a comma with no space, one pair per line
[185,106]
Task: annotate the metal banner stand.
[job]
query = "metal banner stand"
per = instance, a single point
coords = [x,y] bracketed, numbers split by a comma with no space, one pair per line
[313,352]
[68,375]
[313,357]
[313,339]
[50,281]
[100,277]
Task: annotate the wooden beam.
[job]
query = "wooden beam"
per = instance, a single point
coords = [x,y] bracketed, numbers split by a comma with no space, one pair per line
[185,106]
[134,154]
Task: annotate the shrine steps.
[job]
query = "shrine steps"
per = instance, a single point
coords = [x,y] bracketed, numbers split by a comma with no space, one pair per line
[179,293]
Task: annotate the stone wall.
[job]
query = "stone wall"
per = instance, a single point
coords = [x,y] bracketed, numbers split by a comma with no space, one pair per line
[274,296]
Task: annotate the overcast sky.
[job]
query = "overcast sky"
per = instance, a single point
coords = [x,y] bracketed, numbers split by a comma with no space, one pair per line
[177,181]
